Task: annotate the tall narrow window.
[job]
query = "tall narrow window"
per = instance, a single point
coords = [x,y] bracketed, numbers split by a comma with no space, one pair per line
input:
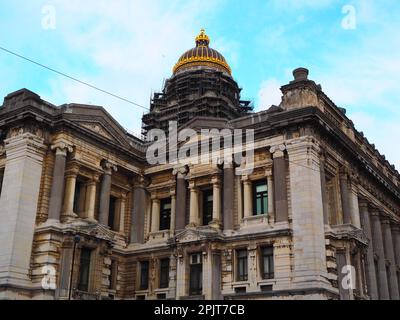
[260,198]
[164,273]
[241,260]
[207,206]
[111,213]
[84,269]
[388,281]
[113,275]
[1,178]
[196,274]
[79,196]
[165,214]
[267,266]
[144,275]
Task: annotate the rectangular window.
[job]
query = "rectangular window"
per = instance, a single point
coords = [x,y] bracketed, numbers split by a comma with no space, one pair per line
[144,275]
[267,263]
[241,260]
[260,198]
[1,178]
[113,275]
[84,269]
[165,214]
[164,273]
[196,274]
[207,206]
[111,213]
[79,196]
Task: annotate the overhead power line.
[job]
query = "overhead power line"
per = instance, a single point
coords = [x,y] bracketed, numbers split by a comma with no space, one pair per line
[73,78]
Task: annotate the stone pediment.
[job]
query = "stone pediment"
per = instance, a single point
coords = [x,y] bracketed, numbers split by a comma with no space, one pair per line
[98,121]
[97,230]
[97,128]
[194,235]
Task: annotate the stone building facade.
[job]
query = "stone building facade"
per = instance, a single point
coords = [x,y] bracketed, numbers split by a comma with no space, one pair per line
[83,215]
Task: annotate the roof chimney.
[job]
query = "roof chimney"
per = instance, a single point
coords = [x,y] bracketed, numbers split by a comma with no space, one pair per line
[300,74]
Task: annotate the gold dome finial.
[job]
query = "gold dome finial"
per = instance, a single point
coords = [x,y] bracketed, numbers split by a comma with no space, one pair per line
[202,56]
[202,39]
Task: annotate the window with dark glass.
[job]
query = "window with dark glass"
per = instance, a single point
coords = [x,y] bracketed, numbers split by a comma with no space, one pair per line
[84,269]
[1,178]
[241,259]
[267,263]
[165,214]
[113,275]
[196,275]
[79,196]
[144,275]
[260,198]
[111,213]
[207,206]
[164,273]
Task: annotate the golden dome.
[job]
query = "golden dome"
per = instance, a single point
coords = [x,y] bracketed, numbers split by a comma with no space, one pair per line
[202,55]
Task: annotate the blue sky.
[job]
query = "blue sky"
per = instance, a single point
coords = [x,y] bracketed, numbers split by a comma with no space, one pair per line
[129,48]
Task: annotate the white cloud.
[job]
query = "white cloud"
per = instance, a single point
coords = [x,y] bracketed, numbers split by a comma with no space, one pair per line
[269,93]
[133,46]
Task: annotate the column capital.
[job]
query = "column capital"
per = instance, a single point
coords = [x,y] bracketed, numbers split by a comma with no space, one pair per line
[277,151]
[268,172]
[62,148]
[94,178]
[108,167]
[180,171]
[172,192]
[215,180]
[375,213]
[363,204]
[140,181]
[72,170]
[192,185]
[386,221]
[396,228]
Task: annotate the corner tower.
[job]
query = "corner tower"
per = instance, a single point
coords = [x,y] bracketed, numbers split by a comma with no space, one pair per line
[201,86]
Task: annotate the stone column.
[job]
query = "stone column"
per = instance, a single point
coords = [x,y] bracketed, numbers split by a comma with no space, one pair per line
[323,191]
[396,243]
[355,210]
[370,263]
[247,197]
[138,211]
[379,252]
[280,187]
[194,205]
[270,185]
[309,251]
[216,214]
[105,190]
[69,193]
[173,211]
[18,209]
[180,218]
[229,194]
[57,186]
[389,254]
[345,194]
[155,214]
[91,198]
[122,213]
